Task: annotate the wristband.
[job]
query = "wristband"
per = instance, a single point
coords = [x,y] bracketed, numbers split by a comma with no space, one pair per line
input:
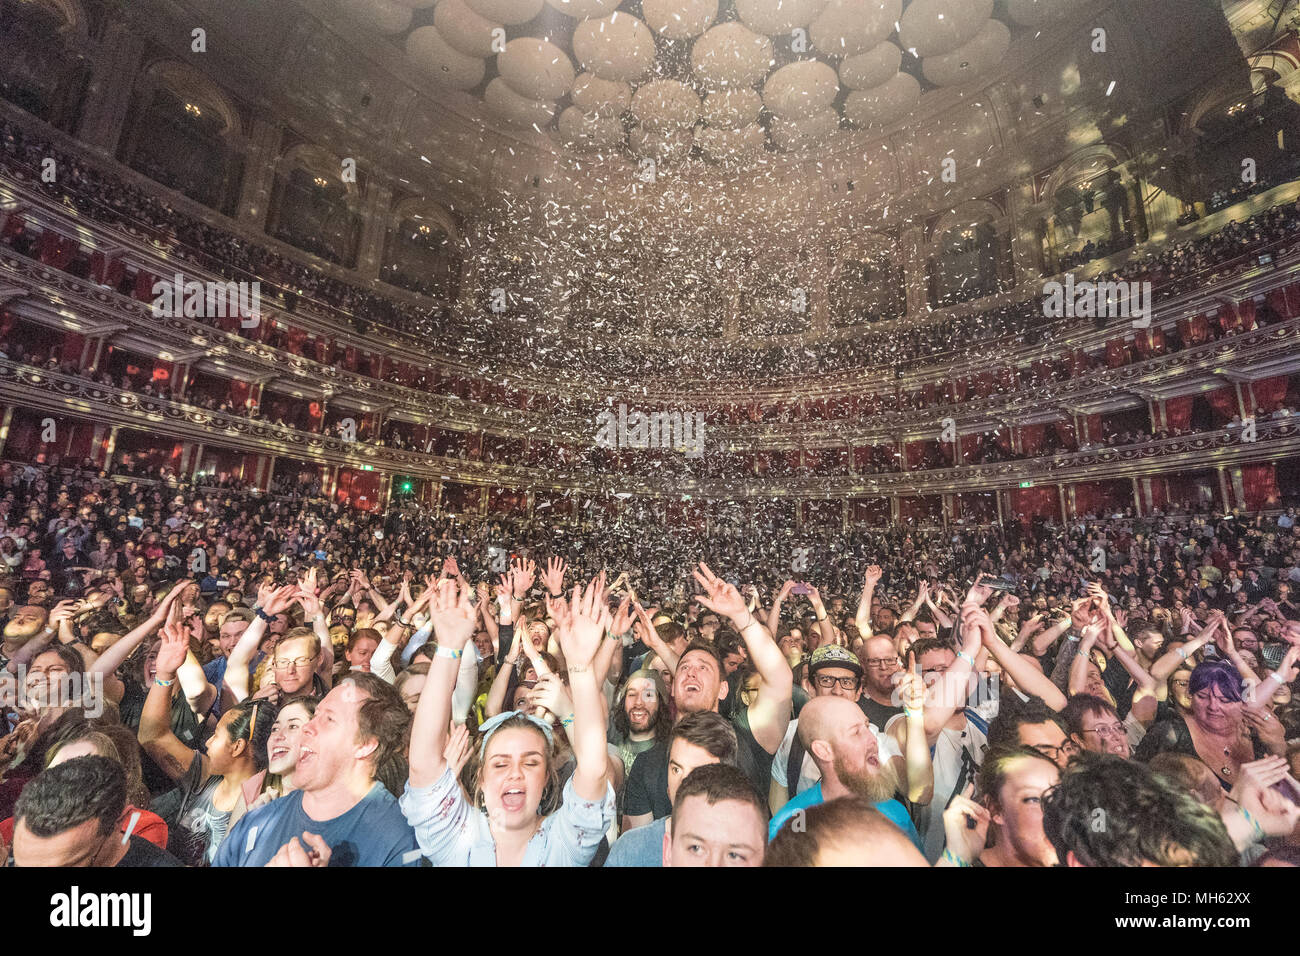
[268,618]
[912,713]
[954,859]
[448,652]
[168,683]
[1181,652]
[403,623]
[579,670]
[752,619]
[566,722]
[966,657]
[820,619]
[1259,830]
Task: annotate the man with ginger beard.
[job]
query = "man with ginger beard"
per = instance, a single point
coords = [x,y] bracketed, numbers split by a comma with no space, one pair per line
[837,735]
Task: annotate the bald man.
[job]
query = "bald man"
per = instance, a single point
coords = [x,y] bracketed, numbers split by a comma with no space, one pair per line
[849,831]
[837,735]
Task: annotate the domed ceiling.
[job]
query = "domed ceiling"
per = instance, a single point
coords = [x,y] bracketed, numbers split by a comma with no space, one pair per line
[721,79]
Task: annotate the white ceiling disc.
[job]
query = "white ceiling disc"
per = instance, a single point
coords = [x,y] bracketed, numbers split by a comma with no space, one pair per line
[386,16]
[722,145]
[585,9]
[591,94]
[536,68]
[732,108]
[463,29]
[800,88]
[664,147]
[520,110]
[778,16]
[935,27]
[432,54]
[885,103]
[588,131]
[730,54]
[976,58]
[806,130]
[666,104]
[512,12]
[847,27]
[616,47]
[876,66]
[679,19]
[1036,13]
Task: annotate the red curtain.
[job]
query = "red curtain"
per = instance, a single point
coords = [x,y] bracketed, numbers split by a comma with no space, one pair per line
[1031,438]
[238,393]
[1223,401]
[1045,501]
[1259,484]
[56,251]
[294,341]
[1269,392]
[1178,412]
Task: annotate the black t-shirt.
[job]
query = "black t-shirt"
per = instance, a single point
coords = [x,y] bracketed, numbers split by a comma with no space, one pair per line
[143,853]
[878,714]
[185,725]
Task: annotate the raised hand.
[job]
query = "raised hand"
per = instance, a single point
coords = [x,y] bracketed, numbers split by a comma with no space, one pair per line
[720,596]
[873,576]
[582,630]
[549,692]
[63,611]
[173,647]
[1275,813]
[979,592]
[522,574]
[457,751]
[449,568]
[623,616]
[553,576]
[966,825]
[279,599]
[452,615]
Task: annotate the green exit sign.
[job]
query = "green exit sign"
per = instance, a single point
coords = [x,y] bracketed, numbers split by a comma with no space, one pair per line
[367,467]
[1026,484]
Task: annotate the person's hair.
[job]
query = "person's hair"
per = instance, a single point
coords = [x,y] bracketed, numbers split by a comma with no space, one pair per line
[998,762]
[404,678]
[927,644]
[128,749]
[1188,773]
[1216,673]
[252,722]
[103,744]
[663,722]
[244,614]
[1080,705]
[670,631]
[73,661]
[1109,811]
[710,732]
[299,633]
[384,716]
[551,793]
[730,643]
[716,782]
[361,634]
[60,798]
[706,647]
[846,820]
[1004,729]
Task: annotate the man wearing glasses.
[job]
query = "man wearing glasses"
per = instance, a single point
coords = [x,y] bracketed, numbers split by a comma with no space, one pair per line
[879,661]
[834,671]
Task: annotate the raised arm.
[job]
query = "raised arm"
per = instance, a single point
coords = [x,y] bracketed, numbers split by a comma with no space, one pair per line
[155,732]
[117,652]
[271,602]
[1028,678]
[774,612]
[453,626]
[953,682]
[823,619]
[922,593]
[656,643]
[769,714]
[863,618]
[580,631]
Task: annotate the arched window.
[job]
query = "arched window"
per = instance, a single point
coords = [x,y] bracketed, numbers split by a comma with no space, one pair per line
[422,252]
[42,70]
[970,256]
[313,208]
[867,285]
[183,131]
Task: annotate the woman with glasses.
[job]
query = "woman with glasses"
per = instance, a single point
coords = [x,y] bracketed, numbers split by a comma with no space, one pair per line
[1219,727]
[209,796]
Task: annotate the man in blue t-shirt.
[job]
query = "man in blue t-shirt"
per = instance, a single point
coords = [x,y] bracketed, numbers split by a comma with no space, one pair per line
[836,734]
[341,814]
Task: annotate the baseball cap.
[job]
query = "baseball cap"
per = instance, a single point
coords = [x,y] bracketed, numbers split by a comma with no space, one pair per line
[832,655]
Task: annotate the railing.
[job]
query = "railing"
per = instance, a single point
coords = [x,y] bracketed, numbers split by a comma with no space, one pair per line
[37,388]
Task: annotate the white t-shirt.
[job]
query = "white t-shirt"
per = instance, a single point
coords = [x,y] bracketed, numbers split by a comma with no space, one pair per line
[809,774]
[946,758]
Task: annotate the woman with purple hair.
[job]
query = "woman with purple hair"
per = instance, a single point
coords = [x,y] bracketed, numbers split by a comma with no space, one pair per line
[1221,729]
